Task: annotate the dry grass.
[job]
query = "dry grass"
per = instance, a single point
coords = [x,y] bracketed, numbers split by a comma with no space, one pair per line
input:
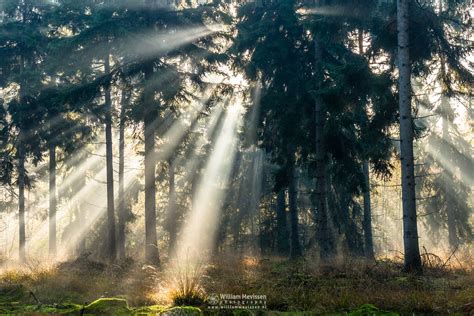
[305,285]
[344,285]
[186,285]
[81,281]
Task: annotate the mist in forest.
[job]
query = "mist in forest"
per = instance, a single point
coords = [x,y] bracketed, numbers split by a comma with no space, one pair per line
[180,144]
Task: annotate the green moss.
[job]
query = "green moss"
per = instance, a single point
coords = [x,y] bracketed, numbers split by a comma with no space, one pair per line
[40,309]
[61,308]
[182,310]
[149,310]
[103,306]
[108,306]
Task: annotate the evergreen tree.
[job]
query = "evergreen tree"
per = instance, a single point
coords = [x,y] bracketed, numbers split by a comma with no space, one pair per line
[21,53]
[312,78]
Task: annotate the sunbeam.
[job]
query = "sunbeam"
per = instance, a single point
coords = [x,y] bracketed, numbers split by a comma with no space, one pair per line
[175,134]
[438,150]
[150,44]
[38,240]
[9,236]
[200,156]
[95,200]
[72,225]
[333,10]
[195,241]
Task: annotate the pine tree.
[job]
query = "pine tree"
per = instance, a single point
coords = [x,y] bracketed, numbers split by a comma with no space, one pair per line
[312,79]
[20,56]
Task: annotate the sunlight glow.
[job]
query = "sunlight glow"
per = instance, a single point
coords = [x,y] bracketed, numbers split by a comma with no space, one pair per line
[89,201]
[192,161]
[438,150]
[151,44]
[196,240]
[326,10]
[175,134]
[96,201]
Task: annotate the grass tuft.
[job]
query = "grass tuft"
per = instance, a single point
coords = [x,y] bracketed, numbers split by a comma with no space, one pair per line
[187,287]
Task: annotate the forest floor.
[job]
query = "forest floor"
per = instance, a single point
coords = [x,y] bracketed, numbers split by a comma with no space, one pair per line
[351,287]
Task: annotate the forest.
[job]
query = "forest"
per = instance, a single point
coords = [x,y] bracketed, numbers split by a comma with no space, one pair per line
[236,157]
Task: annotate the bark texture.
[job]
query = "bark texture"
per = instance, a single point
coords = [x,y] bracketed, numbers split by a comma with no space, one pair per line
[410,230]
[121,192]
[367,222]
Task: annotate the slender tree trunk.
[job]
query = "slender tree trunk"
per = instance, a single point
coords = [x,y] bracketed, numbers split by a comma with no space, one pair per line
[282,227]
[173,218]
[151,247]
[367,222]
[342,199]
[109,168]
[410,230]
[121,211]
[21,177]
[21,198]
[295,247]
[52,199]
[324,234]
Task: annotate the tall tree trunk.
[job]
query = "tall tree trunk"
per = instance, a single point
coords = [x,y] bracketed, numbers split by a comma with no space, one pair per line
[21,177]
[367,222]
[52,199]
[295,247]
[151,247]
[343,199]
[172,216]
[121,211]
[410,230]
[324,234]
[282,227]
[112,250]
[21,198]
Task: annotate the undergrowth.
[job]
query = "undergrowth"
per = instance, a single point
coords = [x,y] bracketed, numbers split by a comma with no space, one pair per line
[342,286]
